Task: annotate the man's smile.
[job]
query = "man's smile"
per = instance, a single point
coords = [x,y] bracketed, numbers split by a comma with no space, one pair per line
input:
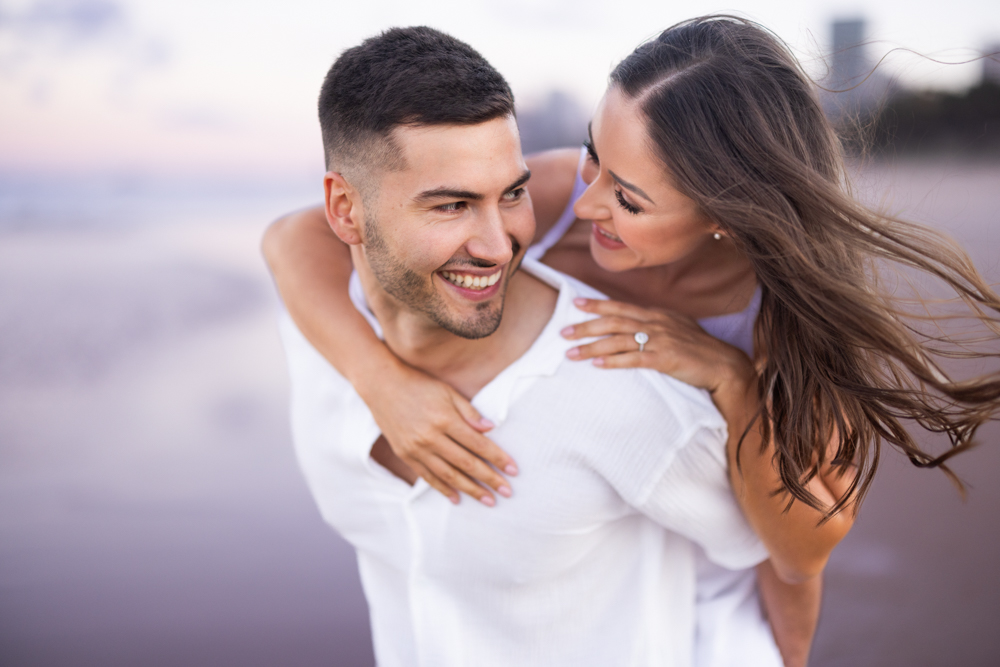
[474,286]
[472,280]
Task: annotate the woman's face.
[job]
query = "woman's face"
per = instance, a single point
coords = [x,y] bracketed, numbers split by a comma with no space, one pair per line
[639,218]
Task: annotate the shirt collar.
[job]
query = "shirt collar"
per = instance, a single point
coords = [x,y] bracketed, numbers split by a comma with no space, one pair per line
[544,356]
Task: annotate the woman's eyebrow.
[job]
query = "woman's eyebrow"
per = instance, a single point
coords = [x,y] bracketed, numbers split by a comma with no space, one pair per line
[625,184]
[631,188]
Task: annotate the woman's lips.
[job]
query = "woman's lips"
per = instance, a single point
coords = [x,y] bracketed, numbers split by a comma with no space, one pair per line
[606,239]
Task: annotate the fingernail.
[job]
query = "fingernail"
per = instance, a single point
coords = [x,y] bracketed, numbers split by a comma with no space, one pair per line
[453,499]
[599,361]
[486,423]
[579,302]
[567,332]
[488,501]
[504,491]
[573,353]
[510,469]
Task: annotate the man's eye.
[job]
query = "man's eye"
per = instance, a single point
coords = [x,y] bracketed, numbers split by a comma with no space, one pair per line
[514,194]
[452,207]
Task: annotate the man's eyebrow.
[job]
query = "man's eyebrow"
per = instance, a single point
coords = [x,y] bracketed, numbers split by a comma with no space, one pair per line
[631,188]
[520,181]
[448,193]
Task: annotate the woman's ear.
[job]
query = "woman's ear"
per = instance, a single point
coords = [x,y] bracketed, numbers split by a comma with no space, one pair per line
[343,208]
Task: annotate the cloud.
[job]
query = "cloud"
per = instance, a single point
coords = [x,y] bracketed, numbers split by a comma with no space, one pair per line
[50,29]
[65,23]
[38,42]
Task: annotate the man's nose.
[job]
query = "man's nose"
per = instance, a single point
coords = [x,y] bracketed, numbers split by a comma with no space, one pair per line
[491,240]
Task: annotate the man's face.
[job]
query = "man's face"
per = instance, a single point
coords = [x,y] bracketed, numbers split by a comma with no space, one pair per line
[444,235]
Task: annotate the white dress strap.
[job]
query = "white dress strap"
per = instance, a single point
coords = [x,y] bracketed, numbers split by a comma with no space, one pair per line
[565,221]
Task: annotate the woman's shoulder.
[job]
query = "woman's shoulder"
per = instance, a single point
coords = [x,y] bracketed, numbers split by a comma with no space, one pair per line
[553,174]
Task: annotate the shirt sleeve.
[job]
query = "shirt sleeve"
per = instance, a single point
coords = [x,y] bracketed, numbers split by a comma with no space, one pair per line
[683,484]
[692,497]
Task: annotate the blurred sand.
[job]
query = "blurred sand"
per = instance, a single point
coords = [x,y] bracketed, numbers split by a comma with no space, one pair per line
[152,513]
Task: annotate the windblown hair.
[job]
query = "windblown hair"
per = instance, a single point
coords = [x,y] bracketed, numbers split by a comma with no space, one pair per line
[739,129]
[404,76]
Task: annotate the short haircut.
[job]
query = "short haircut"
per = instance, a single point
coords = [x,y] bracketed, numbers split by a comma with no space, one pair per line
[405,76]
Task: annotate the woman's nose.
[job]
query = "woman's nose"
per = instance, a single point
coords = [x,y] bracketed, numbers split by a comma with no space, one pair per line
[589,206]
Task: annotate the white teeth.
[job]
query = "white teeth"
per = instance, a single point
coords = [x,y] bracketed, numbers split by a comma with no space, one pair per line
[470,281]
[607,235]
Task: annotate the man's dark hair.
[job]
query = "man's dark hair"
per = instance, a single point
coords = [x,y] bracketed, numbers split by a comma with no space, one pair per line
[405,76]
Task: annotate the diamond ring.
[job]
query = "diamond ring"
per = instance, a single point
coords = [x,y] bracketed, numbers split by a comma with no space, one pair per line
[642,338]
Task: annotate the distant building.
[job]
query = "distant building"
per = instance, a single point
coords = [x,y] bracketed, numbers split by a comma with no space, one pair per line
[854,88]
[849,62]
[991,63]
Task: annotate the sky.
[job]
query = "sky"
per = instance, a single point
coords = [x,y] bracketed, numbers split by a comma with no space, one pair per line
[207,89]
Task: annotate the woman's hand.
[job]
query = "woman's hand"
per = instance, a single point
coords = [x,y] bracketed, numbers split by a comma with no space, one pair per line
[438,434]
[677,346]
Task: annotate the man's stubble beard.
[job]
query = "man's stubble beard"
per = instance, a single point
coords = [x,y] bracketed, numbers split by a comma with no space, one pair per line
[411,289]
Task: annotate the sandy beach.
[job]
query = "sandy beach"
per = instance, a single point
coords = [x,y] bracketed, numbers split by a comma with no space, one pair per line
[151,509]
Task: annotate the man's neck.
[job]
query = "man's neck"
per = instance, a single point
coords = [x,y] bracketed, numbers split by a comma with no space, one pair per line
[466,364]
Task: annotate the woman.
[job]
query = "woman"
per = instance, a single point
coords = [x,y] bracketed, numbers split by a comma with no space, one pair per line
[715,197]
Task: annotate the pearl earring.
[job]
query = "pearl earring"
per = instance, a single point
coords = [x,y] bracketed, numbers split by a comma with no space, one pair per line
[717,236]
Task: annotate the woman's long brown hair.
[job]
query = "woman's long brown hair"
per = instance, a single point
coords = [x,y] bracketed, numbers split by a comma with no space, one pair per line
[739,129]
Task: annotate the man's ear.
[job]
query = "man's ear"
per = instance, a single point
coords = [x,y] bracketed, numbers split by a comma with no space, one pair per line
[343,208]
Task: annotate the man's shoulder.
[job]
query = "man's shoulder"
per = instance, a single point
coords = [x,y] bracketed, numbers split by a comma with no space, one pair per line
[641,392]
[561,281]
[581,383]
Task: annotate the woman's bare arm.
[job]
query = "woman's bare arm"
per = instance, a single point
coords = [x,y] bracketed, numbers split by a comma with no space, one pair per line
[553,174]
[792,611]
[797,536]
[428,425]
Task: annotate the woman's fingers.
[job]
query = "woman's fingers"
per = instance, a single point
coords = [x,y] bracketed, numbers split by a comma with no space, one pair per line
[612,345]
[455,465]
[471,415]
[624,360]
[435,482]
[473,467]
[454,478]
[607,307]
[605,326]
[484,449]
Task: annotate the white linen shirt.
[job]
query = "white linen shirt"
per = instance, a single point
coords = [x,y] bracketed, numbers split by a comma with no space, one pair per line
[592,562]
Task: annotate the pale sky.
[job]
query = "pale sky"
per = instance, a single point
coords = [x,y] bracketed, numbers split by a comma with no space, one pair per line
[213,89]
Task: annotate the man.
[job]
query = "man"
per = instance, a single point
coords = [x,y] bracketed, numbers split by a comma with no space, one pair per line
[622,474]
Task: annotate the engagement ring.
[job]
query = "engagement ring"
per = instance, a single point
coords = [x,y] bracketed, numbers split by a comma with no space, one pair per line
[641,338]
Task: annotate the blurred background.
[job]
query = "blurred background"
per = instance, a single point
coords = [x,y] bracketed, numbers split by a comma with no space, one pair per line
[151,511]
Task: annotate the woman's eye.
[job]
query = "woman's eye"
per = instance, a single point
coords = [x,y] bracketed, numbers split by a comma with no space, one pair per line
[591,153]
[624,203]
